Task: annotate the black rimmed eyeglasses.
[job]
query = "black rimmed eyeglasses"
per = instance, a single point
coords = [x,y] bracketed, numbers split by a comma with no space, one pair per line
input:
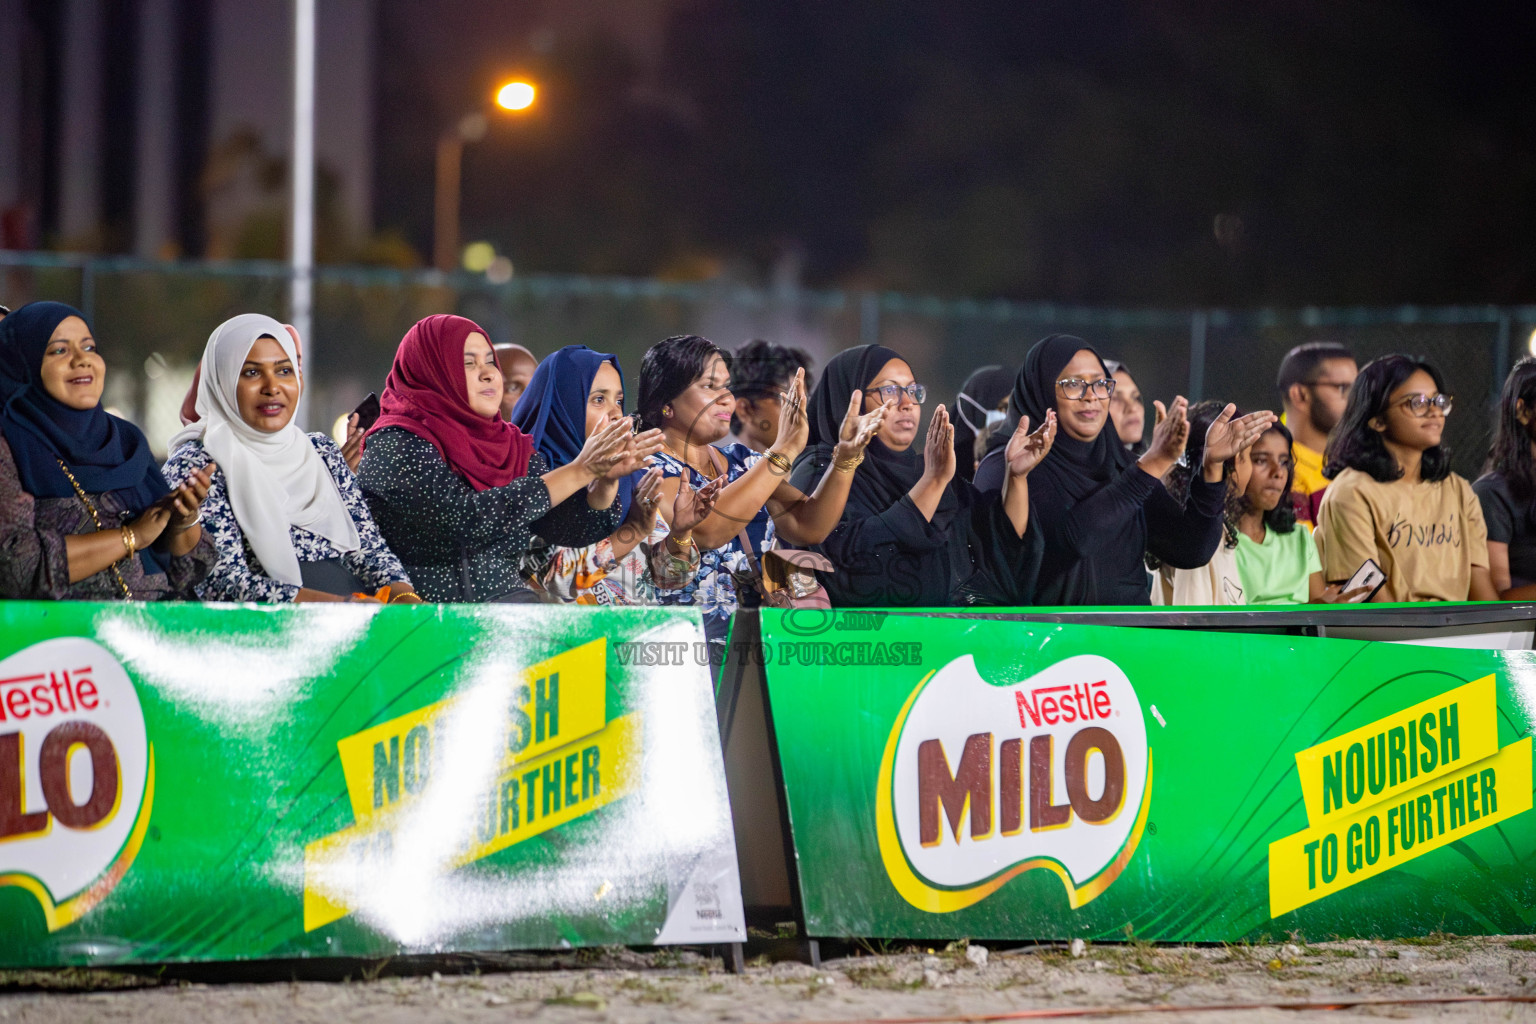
[892,392]
[1076,388]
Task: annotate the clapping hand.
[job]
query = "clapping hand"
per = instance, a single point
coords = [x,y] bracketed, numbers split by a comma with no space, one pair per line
[1171,433]
[605,448]
[1227,436]
[637,449]
[185,502]
[939,448]
[1025,450]
[692,507]
[794,427]
[859,428]
[642,502]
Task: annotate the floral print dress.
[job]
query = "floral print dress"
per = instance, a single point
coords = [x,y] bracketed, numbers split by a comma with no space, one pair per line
[239,576]
[592,575]
[713,588]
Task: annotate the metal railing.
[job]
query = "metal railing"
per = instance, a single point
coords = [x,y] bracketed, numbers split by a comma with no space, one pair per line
[154,317]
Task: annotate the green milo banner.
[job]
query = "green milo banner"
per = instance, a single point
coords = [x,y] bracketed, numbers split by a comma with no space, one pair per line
[950,777]
[201,782]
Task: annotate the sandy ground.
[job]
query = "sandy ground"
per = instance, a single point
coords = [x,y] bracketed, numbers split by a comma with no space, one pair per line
[681,985]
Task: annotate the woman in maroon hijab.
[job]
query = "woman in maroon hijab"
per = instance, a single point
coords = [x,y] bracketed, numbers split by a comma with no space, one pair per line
[458,491]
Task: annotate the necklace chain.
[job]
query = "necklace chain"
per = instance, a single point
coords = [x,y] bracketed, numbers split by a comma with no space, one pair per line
[95,518]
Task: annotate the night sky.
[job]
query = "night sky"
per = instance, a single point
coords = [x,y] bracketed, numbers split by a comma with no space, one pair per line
[1131,151]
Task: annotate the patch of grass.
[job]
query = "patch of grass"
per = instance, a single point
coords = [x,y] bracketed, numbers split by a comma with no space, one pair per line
[1239,951]
[77,979]
[877,947]
[1434,938]
[879,976]
[1396,978]
[371,972]
[667,956]
[1524,945]
[954,953]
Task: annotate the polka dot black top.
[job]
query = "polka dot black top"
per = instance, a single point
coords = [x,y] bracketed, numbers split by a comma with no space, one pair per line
[457,543]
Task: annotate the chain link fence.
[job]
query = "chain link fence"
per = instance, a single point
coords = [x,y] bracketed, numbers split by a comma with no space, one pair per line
[152,320]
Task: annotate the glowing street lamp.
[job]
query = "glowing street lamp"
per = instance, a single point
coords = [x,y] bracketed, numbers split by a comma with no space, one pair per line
[513,96]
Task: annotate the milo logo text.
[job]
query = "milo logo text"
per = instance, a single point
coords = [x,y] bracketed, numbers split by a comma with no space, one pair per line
[40,696]
[986,781]
[76,776]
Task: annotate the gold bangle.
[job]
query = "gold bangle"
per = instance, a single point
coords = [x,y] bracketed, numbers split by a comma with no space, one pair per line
[129,542]
[848,465]
[780,462]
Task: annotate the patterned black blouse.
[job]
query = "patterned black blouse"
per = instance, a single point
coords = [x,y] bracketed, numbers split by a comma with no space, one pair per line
[457,543]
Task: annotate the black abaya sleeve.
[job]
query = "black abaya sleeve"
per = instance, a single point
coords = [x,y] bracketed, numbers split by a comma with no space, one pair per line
[1080,529]
[1005,565]
[1186,537]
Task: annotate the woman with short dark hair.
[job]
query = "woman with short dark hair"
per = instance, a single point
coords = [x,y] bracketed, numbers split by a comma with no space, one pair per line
[1393,497]
[1507,488]
[685,391]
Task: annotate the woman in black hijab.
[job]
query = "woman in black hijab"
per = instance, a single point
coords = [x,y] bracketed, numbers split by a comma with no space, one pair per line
[1100,508]
[911,535]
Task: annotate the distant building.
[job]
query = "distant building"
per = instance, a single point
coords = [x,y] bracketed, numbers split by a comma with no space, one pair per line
[162,127]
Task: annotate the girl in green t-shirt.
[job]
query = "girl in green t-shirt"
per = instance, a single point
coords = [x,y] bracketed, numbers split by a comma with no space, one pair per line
[1277,560]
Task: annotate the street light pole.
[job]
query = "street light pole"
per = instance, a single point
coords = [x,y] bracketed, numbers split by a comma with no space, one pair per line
[450,167]
[301,232]
[445,236]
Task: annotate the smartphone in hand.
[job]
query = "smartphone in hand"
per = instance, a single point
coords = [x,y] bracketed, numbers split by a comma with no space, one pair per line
[367,411]
[1370,577]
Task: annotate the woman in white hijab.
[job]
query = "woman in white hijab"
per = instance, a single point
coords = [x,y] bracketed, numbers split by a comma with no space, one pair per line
[284,510]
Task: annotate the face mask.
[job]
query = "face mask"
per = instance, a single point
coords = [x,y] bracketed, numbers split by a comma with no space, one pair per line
[989,417]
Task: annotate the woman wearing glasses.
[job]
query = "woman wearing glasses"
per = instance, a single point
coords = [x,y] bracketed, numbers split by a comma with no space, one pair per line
[913,535]
[1394,498]
[1099,507]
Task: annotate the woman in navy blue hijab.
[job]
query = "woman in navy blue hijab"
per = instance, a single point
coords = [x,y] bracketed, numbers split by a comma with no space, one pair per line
[84,510]
[573,392]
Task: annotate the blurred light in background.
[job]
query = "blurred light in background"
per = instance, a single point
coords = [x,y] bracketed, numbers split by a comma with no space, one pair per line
[515,96]
[478,257]
[339,428]
[1530,345]
[500,270]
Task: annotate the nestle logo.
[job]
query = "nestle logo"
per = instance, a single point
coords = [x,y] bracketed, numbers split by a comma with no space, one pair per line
[1048,705]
